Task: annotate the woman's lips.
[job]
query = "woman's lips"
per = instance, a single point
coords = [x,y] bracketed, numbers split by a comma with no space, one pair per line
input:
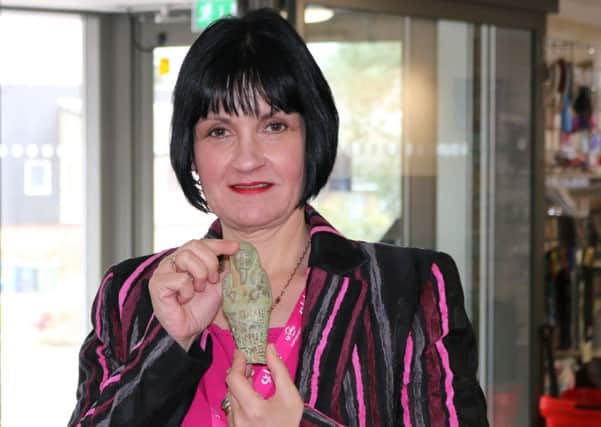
[251,187]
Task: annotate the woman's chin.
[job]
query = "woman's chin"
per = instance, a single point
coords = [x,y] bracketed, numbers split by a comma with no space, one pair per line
[256,218]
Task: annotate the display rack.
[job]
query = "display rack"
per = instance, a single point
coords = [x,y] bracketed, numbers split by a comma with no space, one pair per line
[573,193]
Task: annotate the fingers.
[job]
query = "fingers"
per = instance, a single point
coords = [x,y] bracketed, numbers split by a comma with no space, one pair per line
[279,371]
[238,384]
[219,247]
[206,252]
[199,258]
[222,247]
[235,409]
[176,284]
[285,407]
[187,261]
[286,394]
[239,367]
[226,406]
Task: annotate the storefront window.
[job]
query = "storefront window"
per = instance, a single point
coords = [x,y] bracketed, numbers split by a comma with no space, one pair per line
[42,280]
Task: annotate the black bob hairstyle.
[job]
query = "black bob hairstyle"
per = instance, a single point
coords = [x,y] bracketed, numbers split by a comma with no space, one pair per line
[232,63]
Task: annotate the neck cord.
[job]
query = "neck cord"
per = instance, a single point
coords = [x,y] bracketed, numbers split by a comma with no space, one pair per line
[300,260]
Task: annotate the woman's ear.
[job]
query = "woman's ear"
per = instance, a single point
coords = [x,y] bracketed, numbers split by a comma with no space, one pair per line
[195,175]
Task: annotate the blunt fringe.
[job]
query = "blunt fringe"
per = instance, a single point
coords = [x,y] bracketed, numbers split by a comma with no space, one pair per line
[234,63]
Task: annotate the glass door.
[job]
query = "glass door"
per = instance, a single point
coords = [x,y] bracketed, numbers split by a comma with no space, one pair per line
[435,150]
[363,197]
[504,199]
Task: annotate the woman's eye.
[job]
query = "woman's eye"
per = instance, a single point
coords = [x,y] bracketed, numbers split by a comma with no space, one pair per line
[276,127]
[218,132]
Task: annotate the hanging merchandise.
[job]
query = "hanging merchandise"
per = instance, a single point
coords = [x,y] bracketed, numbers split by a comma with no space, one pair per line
[572,107]
[583,109]
[565,89]
[594,160]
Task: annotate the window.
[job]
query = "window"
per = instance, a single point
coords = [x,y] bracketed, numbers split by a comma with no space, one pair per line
[42,293]
[175,220]
[38,177]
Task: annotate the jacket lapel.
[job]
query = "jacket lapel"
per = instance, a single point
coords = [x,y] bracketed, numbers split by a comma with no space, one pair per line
[336,296]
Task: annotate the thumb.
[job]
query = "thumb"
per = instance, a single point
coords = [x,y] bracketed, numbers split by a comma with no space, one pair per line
[222,247]
[239,362]
[279,371]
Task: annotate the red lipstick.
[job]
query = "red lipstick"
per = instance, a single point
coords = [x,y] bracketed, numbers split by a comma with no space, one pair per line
[256,187]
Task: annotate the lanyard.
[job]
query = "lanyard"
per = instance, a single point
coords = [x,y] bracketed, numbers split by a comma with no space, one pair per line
[285,346]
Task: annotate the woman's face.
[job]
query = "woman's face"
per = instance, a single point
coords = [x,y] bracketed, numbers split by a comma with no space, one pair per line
[251,168]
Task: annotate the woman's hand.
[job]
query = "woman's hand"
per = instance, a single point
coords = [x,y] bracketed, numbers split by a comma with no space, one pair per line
[185,289]
[249,408]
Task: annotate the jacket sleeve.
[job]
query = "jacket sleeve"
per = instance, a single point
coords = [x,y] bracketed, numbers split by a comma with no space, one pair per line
[313,418]
[439,383]
[127,383]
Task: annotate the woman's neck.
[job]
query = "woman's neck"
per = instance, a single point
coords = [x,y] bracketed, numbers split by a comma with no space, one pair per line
[279,246]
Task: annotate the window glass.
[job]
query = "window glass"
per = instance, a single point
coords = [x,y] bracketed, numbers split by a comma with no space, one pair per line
[434,152]
[175,220]
[363,195]
[42,223]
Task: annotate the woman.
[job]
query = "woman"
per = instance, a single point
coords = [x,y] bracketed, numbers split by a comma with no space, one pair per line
[368,334]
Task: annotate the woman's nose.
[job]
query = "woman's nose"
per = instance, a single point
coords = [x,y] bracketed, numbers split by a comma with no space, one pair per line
[248,154]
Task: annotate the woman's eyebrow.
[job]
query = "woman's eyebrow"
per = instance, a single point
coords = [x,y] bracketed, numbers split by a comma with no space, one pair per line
[267,115]
[272,113]
[217,117]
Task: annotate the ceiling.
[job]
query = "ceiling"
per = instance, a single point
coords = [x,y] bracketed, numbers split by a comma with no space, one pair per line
[100,5]
[585,11]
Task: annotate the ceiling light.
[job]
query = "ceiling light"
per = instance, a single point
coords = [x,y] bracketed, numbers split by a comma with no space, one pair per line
[314,14]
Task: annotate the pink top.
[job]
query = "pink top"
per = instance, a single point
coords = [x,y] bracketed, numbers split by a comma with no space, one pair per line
[205,409]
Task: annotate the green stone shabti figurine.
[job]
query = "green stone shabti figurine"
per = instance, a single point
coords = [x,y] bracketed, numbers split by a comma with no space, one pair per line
[247,302]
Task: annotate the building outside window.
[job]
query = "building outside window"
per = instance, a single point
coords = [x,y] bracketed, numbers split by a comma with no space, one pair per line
[42,215]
